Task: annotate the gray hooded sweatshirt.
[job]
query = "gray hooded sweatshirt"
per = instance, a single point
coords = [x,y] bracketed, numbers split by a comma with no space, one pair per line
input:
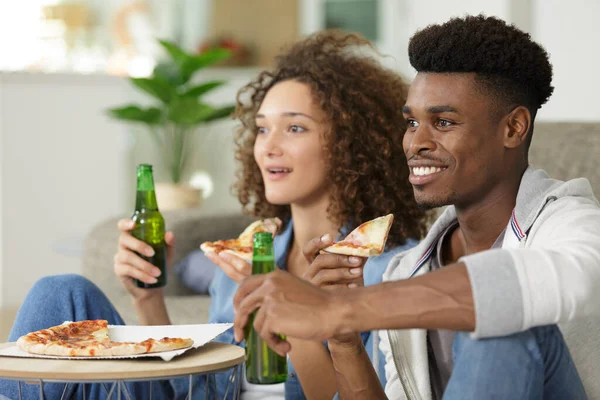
[547,271]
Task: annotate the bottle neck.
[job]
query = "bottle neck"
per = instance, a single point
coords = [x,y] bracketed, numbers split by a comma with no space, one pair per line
[145,196]
[145,200]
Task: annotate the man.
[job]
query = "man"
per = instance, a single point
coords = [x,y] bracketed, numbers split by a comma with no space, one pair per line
[514,254]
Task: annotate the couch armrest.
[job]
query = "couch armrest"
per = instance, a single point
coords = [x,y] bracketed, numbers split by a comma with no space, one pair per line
[191,227]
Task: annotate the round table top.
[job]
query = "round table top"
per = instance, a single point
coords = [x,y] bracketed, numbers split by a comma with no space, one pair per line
[211,357]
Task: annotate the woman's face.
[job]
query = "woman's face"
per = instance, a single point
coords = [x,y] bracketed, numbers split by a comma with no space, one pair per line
[289,145]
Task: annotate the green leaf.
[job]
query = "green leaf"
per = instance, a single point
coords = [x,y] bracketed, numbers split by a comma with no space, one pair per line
[150,116]
[220,113]
[169,72]
[176,53]
[156,87]
[188,111]
[201,89]
[209,57]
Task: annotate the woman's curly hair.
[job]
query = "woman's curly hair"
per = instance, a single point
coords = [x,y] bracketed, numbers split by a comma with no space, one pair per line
[362,102]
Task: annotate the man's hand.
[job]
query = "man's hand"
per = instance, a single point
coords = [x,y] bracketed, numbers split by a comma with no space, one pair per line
[288,306]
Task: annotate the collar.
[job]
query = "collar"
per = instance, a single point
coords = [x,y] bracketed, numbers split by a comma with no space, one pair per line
[427,254]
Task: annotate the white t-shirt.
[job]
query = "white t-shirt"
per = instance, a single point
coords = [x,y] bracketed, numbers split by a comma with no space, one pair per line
[251,391]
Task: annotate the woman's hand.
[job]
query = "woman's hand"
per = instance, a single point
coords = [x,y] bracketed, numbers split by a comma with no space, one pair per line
[334,272]
[234,267]
[128,265]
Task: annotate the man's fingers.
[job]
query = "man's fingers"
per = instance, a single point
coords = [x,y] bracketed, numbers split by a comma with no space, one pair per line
[239,324]
[246,288]
[265,330]
[312,247]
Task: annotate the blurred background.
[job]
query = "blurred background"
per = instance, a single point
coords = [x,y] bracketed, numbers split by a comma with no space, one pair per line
[66,165]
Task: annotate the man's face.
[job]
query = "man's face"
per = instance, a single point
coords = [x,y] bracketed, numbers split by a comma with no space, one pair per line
[453,142]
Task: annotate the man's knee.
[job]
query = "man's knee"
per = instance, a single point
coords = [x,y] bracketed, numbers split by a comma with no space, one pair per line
[521,346]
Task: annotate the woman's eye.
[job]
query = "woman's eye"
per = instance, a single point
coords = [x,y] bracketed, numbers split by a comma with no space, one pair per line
[412,123]
[260,129]
[296,129]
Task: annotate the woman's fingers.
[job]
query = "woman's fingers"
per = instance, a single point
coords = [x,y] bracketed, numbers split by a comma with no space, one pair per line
[227,268]
[125,225]
[128,242]
[129,258]
[129,271]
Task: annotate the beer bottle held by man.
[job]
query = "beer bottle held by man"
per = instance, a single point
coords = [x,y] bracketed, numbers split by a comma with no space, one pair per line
[149,225]
[263,365]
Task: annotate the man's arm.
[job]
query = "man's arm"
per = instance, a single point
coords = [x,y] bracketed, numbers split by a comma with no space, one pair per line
[556,278]
[293,307]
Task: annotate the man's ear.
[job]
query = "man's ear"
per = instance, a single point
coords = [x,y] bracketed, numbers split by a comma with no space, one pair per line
[517,127]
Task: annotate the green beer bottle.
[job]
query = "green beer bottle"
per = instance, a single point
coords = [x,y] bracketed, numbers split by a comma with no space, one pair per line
[149,225]
[263,365]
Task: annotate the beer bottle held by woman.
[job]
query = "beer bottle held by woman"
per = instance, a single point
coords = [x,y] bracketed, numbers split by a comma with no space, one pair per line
[149,225]
[263,365]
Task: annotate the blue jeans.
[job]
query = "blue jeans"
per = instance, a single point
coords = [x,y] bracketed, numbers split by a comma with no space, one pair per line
[56,299]
[534,364]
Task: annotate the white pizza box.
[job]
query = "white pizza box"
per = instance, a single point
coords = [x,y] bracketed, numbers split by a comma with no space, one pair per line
[199,333]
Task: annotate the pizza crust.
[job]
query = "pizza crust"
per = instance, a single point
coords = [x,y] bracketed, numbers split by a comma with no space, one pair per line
[166,344]
[209,247]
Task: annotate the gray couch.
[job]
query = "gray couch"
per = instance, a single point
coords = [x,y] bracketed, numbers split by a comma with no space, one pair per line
[564,150]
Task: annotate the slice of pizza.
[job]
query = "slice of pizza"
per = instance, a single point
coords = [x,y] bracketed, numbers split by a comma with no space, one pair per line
[242,245]
[166,344]
[367,240]
[89,338]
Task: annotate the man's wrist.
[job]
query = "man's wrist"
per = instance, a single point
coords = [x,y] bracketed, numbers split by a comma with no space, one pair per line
[346,309]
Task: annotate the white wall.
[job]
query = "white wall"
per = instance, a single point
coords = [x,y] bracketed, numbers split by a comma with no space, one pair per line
[1,196]
[569,30]
[65,166]
[62,172]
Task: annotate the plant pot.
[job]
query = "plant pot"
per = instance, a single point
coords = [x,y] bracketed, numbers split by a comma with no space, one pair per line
[171,196]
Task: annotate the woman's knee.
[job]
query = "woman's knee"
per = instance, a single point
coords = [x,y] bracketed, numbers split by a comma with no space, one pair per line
[64,282]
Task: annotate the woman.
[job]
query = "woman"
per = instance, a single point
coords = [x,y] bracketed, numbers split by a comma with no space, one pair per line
[320,147]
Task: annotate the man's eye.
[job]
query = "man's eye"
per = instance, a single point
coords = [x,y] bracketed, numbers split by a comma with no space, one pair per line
[412,123]
[444,123]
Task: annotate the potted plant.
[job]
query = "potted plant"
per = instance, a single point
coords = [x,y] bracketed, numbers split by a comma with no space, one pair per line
[177,112]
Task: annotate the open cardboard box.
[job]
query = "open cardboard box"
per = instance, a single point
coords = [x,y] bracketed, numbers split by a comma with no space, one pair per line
[199,333]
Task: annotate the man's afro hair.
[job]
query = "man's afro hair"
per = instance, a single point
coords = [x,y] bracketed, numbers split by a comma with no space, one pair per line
[503,57]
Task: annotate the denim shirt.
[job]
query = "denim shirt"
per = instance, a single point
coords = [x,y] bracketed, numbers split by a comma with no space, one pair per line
[222,290]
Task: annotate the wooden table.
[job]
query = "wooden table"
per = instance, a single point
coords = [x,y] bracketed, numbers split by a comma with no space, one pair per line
[206,360]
